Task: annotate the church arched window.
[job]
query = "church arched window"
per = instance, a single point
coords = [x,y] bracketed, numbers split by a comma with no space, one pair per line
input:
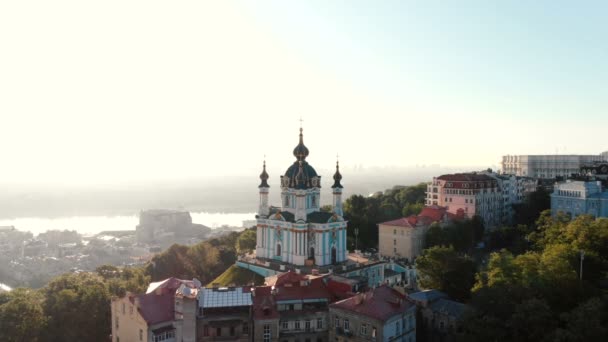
[278,249]
[314,201]
[286,200]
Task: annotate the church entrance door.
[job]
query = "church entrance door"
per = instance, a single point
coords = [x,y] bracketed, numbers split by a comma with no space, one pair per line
[333,255]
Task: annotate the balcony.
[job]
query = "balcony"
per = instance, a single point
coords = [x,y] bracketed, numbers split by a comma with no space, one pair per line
[343,332]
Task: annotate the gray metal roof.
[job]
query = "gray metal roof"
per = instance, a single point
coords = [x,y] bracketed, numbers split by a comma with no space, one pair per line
[225,297]
[449,307]
[427,295]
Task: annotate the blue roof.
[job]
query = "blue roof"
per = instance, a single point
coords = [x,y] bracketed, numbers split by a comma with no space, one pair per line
[449,307]
[427,295]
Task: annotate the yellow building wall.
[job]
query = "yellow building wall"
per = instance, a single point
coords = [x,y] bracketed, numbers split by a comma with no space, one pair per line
[130,322]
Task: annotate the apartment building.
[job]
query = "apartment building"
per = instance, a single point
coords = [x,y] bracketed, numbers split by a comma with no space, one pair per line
[224,313]
[468,194]
[405,237]
[380,314]
[165,313]
[293,307]
[441,316]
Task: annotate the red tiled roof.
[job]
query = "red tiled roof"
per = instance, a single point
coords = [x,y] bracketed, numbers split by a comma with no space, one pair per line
[157,308]
[402,222]
[264,306]
[314,290]
[339,290]
[380,303]
[158,304]
[266,297]
[289,277]
[435,213]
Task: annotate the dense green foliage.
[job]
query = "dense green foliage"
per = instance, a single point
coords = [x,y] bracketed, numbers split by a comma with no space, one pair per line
[366,212]
[527,213]
[462,235]
[538,294]
[237,276]
[445,269]
[22,316]
[76,306]
[246,241]
[204,261]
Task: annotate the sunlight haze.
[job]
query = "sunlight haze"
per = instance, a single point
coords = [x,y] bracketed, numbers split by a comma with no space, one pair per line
[144,90]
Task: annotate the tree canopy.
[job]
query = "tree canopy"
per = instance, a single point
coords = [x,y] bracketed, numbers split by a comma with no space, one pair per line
[445,269]
[365,213]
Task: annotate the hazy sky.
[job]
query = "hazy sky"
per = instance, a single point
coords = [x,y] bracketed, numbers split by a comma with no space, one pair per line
[120,90]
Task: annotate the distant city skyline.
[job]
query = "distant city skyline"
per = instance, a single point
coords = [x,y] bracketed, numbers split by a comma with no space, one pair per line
[147,90]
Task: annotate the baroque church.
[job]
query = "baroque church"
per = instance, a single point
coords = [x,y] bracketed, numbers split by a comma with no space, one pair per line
[298,232]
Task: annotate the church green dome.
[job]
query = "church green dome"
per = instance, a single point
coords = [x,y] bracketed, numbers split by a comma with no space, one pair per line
[300,174]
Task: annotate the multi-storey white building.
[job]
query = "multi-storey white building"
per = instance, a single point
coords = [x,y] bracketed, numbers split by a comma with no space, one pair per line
[514,190]
[486,194]
[547,166]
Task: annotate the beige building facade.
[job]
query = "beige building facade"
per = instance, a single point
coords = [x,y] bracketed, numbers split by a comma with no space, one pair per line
[165,313]
[381,314]
[405,237]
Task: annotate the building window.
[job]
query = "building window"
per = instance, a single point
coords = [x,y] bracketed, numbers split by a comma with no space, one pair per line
[141,335]
[285,325]
[394,231]
[123,308]
[231,331]
[245,328]
[307,325]
[218,331]
[267,334]
[394,242]
[205,330]
[337,322]
[131,309]
[374,332]
[314,201]
[364,329]
[319,323]
[297,325]
[346,325]
[395,250]
[116,322]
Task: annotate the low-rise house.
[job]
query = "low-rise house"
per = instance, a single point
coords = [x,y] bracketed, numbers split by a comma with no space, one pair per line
[224,314]
[292,307]
[405,237]
[441,316]
[381,314]
[165,313]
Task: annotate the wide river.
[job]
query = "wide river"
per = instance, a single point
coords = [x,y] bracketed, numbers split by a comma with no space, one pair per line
[90,225]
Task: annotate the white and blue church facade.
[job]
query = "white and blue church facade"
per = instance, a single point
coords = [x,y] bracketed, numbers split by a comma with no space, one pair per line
[298,232]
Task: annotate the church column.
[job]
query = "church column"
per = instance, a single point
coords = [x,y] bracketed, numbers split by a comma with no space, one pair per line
[305,244]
